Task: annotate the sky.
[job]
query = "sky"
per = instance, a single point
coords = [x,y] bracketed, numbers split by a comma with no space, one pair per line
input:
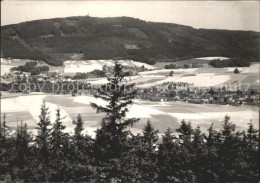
[232,15]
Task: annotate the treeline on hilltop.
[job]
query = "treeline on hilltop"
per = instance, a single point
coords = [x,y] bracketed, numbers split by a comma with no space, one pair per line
[233,62]
[95,73]
[117,155]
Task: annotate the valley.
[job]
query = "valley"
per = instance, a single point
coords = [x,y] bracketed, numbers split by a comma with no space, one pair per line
[163,112]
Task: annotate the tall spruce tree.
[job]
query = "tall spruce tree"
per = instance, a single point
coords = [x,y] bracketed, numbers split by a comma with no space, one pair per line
[119,96]
[22,143]
[213,138]
[58,137]
[138,163]
[21,154]
[199,159]
[43,140]
[169,159]
[187,152]
[78,136]
[251,153]
[5,131]
[227,151]
[81,141]
[80,159]
[150,134]
[44,131]
[212,165]
[112,136]
[252,136]
[228,128]
[59,141]
[186,131]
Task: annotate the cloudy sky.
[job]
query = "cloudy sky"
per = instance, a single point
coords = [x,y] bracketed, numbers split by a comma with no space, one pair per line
[235,15]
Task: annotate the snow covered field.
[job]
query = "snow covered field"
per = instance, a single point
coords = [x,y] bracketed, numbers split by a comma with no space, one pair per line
[90,65]
[254,68]
[213,58]
[164,71]
[205,77]
[161,114]
[135,111]
[31,104]
[200,80]
[205,80]
[5,69]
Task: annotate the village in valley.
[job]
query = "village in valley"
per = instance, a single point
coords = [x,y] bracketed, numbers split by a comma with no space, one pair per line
[233,86]
[182,84]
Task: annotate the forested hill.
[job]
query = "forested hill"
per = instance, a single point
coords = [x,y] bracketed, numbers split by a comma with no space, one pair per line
[56,40]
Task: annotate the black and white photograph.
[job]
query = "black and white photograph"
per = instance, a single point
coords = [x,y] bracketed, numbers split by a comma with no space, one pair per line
[130,91]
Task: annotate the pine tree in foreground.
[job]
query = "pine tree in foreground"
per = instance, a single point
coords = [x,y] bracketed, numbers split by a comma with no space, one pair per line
[80,161]
[219,156]
[138,162]
[112,136]
[119,96]
[43,141]
[228,151]
[59,141]
[82,143]
[251,153]
[58,137]
[78,136]
[150,134]
[200,154]
[22,143]
[168,159]
[4,131]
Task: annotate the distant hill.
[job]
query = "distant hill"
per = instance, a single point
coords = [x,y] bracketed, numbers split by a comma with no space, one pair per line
[59,39]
